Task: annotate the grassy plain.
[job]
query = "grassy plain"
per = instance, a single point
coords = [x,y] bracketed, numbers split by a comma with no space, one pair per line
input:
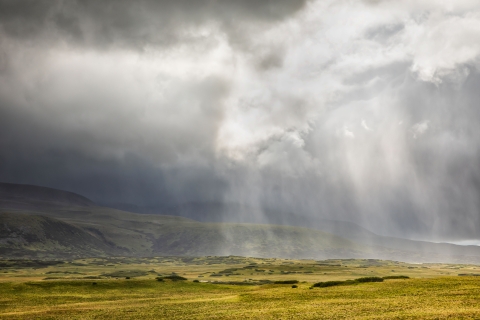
[66,289]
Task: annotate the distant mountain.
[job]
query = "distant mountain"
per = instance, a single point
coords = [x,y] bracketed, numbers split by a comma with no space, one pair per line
[46,222]
[237,213]
[29,196]
[234,213]
[103,231]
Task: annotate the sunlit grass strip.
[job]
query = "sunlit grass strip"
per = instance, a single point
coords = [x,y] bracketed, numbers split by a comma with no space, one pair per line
[395,277]
[173,277]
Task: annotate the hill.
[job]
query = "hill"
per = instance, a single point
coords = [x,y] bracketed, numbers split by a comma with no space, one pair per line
[153,235]
[99,230]
[30,236]
[24,196]
[382,246]
[40,225]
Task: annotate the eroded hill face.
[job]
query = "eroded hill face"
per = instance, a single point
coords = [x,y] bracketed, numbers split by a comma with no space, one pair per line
[23,235]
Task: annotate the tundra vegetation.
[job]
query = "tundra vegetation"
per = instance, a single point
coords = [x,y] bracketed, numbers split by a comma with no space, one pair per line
[98,288]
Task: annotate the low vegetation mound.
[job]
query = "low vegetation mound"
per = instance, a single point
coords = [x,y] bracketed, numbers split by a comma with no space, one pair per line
[125,273]
[369,279]
[286,282]
[329,284]
[347,282]
[173,277]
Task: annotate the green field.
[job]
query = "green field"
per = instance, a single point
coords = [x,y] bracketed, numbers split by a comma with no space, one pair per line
[234,288]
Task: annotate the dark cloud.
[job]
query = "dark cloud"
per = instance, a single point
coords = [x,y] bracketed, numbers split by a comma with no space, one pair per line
[130,181]
[277,109]
[128,24]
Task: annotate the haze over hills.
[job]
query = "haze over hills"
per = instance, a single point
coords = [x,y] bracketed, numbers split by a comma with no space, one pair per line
[238,213]
[221,212]
[117,232]
[54,223]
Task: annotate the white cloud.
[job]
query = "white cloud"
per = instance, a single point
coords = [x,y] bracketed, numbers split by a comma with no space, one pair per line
[420,128]
[443,44]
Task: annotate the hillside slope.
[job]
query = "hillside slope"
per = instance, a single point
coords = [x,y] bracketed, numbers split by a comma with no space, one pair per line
[23,235]
[55,222]
[107,231]
[381,246]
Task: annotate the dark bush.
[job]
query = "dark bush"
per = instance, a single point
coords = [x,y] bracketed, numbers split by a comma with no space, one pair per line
[175,277]
[347,282]
[294,286]
[125,273]
[127,278]
[286,282]
[232,270]
[94,283]
[196,280]
[369,279]
[328,284]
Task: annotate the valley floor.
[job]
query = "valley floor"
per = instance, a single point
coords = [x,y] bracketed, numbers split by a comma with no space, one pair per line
[125,288]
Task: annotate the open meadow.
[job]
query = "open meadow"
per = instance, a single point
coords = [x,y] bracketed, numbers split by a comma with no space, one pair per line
[235,288]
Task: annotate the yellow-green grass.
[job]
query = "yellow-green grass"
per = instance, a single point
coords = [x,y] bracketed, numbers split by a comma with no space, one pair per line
[433,298]
[231,268]
[434,291]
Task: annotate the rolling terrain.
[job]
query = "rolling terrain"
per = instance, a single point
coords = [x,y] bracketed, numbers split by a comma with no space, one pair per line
[27,221]
[42,222]
[117,232]
[384,246]
[236,288]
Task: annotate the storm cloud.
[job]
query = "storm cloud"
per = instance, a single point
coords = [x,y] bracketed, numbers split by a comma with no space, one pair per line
[364,111]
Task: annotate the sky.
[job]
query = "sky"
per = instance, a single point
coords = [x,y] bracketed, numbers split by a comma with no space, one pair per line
[355,110]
